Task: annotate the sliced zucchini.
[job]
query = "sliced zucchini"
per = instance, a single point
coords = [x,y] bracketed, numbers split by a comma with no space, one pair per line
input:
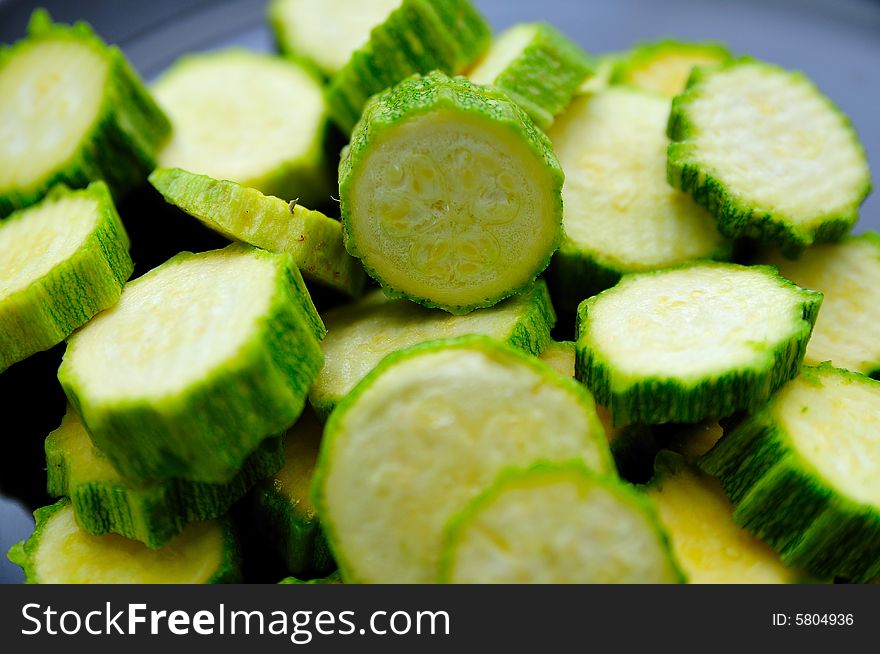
[621,215]
[424,433]
[59,552]
[72,110]
[250,118]
[333,578]
[804,473]
[244,214]
[326,32]
[537,66]
[664,67]
[419,36]
[451,197]
[697,342]
[200,360]
[154,515]
[768,154]
[283,507]
[698,517]
[560,524]
[848,273]
[603,68]
[61,262]
[560,356]
[360,335]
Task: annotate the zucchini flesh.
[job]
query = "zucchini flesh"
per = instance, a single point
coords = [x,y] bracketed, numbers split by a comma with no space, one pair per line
[250,118]
[560,356]
[201,359]
[326,32]
[621,215]
[698,518]
[154,515]
[557,525]
[283,507]
[419,36]
[61,262]
[692,343]
[664,67]
[803,473]
[72,111]
[768,154]
[537,66]
[245,214]
[603,68]
[432,426]
[848,274]
[360,335]
[59,552]
[450,196]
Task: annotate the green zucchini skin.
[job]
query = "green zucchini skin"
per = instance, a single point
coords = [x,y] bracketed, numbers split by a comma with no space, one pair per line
[206,433]
[42,315]
[22,554]
[659,401]
[120,146]
[332,578]
[153,515]
[736,218]
[798,514]
[422,94]
[418,37]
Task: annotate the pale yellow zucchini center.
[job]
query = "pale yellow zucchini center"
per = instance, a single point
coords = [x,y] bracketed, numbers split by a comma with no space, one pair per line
[294,480]
[668,73]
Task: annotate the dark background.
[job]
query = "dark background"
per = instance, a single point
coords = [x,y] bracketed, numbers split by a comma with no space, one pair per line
[836,42]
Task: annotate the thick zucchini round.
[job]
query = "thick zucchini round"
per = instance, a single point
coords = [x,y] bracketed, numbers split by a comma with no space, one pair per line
[665,66]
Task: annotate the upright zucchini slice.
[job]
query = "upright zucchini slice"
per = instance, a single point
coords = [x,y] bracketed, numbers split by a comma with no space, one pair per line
[428,430]
[360,335]
[664,67]
[419,36]
[804,473]
[450,195]
[848,274]
[59,552]
[61,262]
[283,507]
[698,517]
[72,111]
[103,502]
[245,214]
[621,215]
[768,154]
[251,118]
[537,66]
[557,525]
[326,32]
[693,343]
[199,361]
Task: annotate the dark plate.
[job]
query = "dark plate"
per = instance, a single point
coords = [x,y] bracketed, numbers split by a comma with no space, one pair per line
[836,42]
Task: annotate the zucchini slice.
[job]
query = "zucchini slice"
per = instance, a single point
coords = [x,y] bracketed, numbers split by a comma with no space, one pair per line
[283,507]
[621,215]
[537,66]
[72,110]
[698,517]
[244,214]
[360,335]
[154,515]
[424,433]
[451,197]
[804,473]
[251,118]
[603,67]
[333,578]
[559,524]
[61,262]
[560,356]
[325,32]
[200,360]
[768,154]
[59,552]
[665,66]
[848,274]
[419,36]
[697,342]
